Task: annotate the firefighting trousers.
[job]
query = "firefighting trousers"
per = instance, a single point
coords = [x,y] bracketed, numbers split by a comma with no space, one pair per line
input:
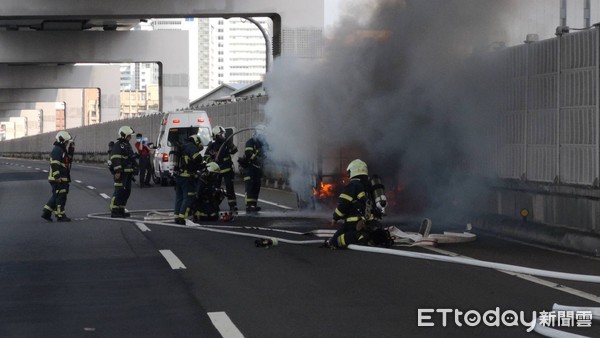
[347,234]
[58,200]
[229,189]
[185,194]
[206,210]
[121,193]
[252,181]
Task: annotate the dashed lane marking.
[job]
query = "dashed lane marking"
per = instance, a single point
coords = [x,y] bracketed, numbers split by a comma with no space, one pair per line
[142,226]
[45,170]
[173,261]
[105,196]
[224,325]
[78,181]
[90,187]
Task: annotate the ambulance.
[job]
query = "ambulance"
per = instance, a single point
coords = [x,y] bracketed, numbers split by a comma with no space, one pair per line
[175,127]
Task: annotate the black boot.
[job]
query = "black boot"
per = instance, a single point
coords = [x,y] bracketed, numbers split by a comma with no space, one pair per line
[116,214]
[63,218]
[47,215]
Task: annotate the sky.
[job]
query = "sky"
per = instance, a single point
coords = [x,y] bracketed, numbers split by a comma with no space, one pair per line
[332,11]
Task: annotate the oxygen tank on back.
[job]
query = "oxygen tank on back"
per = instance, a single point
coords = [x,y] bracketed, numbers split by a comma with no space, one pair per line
[175,159]
[379,193]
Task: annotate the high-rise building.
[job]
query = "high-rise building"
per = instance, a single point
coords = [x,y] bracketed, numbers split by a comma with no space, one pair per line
[240,50]
[222,50]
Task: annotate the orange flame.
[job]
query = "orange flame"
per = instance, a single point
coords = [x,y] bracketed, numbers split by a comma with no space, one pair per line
[324,190]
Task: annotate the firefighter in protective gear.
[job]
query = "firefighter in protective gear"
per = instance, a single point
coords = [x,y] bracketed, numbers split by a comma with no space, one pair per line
[124,166]
[59,177]
[209,194]
[254,156]
[224,149]
[190,161]
[356,208]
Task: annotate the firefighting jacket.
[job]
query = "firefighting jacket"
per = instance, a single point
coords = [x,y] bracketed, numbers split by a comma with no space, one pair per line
[254,152]
[224,161]
[60,165]
[355,201]
[191,159]
[122,158]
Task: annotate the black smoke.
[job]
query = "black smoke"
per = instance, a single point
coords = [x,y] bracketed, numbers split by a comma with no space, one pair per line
[410,86]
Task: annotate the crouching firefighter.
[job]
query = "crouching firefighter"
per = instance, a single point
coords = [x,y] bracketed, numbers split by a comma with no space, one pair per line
[190,161]
[210,195]
[123,166]
[358,209]
[59,177]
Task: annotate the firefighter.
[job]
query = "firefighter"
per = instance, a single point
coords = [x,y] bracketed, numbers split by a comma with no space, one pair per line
[252,162]
[359,212]
[190,161]
[209,194]
[224,150]
[59,177]
[123,166]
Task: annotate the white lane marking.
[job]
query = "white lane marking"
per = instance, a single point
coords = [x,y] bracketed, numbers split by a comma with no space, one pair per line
[28,167]
[38,169]
[224,325]
[78,181]
[105,196]
[142,226]
[173,261]
[530,278]
[270,203]
[89,166]
[45,170]
[90,187]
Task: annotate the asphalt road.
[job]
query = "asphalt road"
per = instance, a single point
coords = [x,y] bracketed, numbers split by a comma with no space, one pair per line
[108,278]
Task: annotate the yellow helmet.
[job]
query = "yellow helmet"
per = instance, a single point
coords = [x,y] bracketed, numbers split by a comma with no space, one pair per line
[125,131]
[356,168]
[63,136]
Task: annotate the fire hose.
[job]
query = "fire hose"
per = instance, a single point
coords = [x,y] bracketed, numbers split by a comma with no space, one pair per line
[210,228]
[479,263]
[403,253]
[229,138]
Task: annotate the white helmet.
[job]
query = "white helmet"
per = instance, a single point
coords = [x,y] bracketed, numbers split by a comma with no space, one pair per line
[357,167]
[196,139]
[218,130]
[125,131]
[63,136]
[213,167]
[260,129]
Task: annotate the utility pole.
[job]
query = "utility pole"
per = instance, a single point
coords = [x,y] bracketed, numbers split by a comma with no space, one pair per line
[586,13]
[563,13]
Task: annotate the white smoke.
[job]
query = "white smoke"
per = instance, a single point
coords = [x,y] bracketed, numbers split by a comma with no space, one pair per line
[401,88]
